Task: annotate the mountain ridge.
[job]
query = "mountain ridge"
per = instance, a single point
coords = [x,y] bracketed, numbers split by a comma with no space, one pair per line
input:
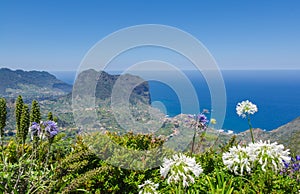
[31,84]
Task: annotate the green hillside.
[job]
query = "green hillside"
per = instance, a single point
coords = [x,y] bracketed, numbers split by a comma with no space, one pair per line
[31,84]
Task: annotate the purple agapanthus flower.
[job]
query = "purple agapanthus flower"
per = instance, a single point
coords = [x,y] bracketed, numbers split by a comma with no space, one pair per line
[286,164]
[51,128]
[296,166]
[35,129]
[202,118]
[293,168]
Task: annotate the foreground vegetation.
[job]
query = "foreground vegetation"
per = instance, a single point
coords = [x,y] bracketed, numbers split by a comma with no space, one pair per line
[70,167]
[44,160]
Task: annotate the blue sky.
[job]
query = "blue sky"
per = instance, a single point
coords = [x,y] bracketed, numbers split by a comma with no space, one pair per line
[55,35]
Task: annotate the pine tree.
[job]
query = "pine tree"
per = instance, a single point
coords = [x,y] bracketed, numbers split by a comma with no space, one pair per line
[35,113]
[50,116]
[3,113]
[24,123]
[18,111]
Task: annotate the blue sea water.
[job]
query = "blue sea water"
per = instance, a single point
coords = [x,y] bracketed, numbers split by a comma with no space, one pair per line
[275,92]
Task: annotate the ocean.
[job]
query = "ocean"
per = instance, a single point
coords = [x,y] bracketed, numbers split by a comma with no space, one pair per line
[275,92]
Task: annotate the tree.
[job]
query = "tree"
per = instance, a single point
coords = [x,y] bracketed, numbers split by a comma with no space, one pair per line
[50,116]
[35,113]
[18,111]
[55,119]
[24,123]
[3,113]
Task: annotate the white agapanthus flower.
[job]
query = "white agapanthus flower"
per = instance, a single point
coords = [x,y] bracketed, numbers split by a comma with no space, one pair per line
[148,188]
[180,168]
[269,154]
[237,160]
[246,107]
[240,160]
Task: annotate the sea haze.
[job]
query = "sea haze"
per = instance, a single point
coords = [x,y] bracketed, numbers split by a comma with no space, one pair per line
[275,92]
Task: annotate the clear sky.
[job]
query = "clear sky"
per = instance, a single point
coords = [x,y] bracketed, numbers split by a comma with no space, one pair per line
[55,35]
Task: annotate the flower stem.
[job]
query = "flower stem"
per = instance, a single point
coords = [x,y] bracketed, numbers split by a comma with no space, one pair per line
[193,142]
[250,126]
[49,149]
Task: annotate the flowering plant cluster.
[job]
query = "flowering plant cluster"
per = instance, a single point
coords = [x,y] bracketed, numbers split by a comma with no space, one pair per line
[35,130]
[47,129]
[241,160]
[245,108]
[292,168]
[199,122]
[237,160]
[180,168]
[148,187]
[269,155]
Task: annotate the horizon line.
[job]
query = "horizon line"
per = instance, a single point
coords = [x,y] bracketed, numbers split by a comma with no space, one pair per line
[183,69]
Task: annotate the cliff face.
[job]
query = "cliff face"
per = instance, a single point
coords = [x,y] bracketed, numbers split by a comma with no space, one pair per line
[87,80]
[110,96]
